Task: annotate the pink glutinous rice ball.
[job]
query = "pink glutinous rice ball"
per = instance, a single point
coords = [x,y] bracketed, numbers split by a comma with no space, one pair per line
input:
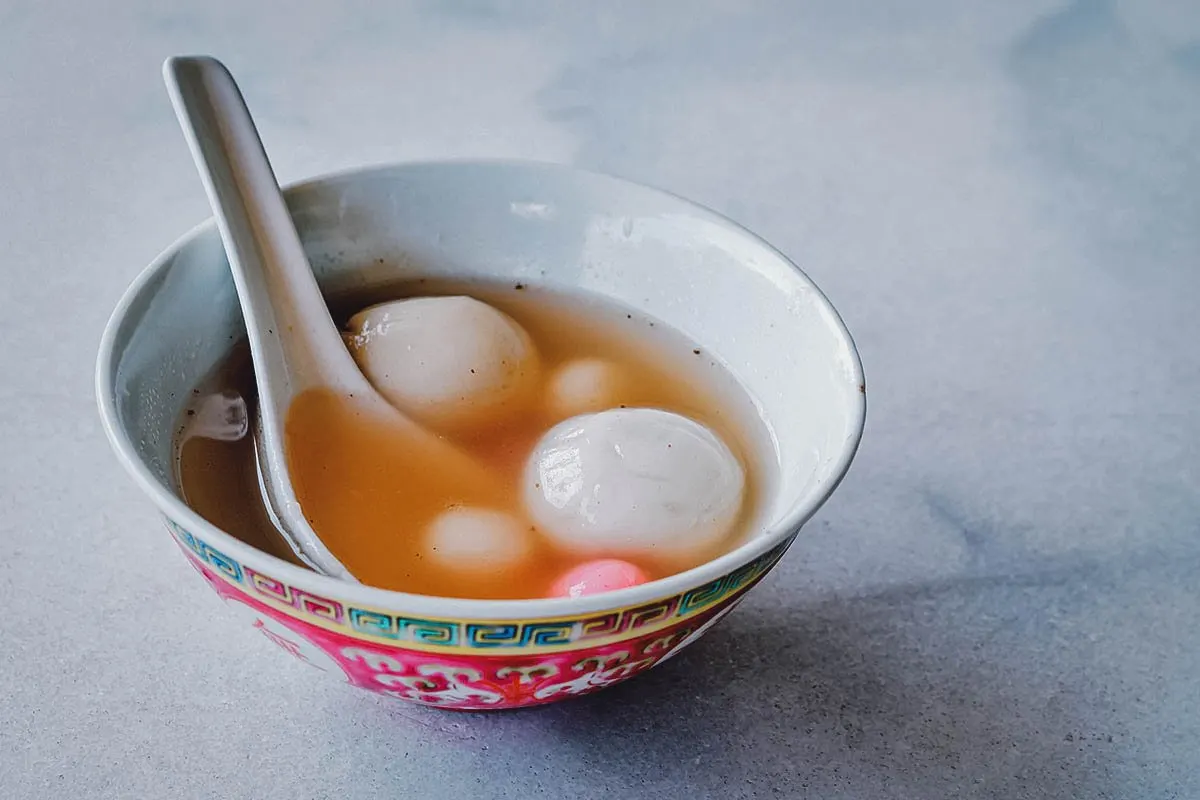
[594,577]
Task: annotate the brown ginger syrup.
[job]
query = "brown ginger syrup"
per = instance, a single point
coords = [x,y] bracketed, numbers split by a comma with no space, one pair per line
[373,523]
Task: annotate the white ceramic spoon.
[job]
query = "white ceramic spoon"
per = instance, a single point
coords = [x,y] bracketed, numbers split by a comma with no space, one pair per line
[294,343]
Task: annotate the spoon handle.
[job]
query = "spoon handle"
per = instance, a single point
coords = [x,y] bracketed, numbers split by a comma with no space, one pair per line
[287,320]
[294,343]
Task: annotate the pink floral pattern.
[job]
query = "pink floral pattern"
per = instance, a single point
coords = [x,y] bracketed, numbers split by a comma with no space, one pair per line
[464,681]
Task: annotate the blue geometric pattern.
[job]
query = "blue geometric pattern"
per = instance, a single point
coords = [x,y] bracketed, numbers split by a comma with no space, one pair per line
[479,635]
[520,635]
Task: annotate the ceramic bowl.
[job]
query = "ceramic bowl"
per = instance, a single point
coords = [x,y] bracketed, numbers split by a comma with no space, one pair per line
[543,224]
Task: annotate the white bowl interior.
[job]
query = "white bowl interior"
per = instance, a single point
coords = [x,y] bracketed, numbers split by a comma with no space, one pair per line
[551,225]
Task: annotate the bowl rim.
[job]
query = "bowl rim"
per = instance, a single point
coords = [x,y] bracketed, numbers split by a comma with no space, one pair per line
[451,608]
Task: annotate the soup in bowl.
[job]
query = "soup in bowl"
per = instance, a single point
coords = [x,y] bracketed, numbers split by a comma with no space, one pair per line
[631,307]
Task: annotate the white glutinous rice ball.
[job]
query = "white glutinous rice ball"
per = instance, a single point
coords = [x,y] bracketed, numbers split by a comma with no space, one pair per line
[583,386]
[478,540]
[449,362]
[637,481]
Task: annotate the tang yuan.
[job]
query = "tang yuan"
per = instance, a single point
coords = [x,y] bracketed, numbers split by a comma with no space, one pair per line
[583,385]
[451,362]
[634,482]
[595,577]
[478,540]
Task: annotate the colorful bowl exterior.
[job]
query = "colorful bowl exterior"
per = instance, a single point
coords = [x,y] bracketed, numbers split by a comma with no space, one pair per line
[470,665]
[524,222]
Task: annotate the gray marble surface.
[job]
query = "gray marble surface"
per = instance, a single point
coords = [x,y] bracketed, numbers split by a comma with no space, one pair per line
[1001,198]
